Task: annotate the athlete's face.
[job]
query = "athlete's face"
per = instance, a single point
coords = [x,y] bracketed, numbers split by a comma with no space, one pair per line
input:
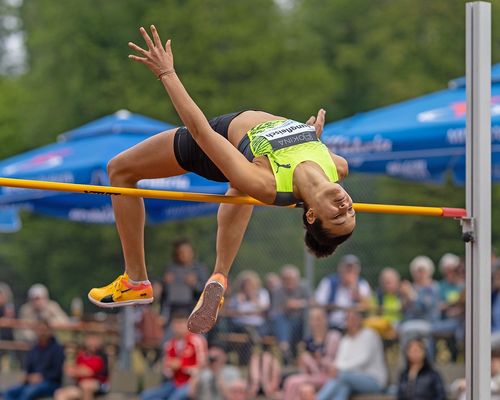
[334,209]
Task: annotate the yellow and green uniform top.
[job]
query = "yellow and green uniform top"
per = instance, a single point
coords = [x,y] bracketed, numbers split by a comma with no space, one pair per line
[287,143]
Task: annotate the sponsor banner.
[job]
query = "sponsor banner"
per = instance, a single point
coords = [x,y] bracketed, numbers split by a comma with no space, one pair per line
[409,169]
[342,144]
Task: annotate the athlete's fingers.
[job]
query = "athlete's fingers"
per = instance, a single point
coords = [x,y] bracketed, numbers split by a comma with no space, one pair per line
[320,122]
[139,49]
[156,37]
[144,61]
[139,59]
[311,120]
[147,39]
[168,47]
[321,114]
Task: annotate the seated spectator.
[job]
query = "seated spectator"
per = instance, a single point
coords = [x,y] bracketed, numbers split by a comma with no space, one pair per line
[151,326]
[89,370]
[44,367]
[211,382]
[451,284]
[184,355]
[289,303]
[306,391]
[183,280]
[272,282]
[237,390]
[6,309]
[273,285]
[419,380]
[343,290]
[318,356]
[248,305]
[420,303]
[264,374]
[359,366]
[38,307]
[452,303]
[387,306]
[458,387]
[495,376]
[495,307]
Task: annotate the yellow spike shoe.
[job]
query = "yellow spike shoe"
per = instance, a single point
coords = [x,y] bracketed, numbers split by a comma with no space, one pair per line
[121,293]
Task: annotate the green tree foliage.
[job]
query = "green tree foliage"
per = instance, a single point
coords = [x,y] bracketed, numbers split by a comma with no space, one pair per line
[11,117]
[9,25]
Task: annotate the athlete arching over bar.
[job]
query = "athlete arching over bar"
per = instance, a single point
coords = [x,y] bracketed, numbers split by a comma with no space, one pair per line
[273,159]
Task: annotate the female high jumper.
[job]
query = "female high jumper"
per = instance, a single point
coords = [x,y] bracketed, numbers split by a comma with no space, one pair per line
[271,158]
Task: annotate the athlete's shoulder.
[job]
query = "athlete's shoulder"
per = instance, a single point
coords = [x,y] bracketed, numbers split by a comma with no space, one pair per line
[341,165]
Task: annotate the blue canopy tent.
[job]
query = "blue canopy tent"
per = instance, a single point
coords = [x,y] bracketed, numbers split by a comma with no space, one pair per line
[420,139]
[81,156]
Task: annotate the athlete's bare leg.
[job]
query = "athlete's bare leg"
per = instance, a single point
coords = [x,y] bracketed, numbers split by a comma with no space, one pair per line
[232,222]
[152,158]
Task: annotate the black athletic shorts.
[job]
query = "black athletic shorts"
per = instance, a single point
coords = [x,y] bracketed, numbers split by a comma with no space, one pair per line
[191,157]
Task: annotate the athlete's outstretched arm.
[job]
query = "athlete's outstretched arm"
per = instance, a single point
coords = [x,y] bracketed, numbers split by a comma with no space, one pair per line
[242,173]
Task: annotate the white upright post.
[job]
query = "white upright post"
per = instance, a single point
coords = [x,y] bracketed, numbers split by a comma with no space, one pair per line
[478,200]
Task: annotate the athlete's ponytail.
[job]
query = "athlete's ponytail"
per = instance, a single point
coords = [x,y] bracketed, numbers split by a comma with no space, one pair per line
[318,240]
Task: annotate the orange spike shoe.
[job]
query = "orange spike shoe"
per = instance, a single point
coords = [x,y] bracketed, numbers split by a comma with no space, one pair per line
[204,314]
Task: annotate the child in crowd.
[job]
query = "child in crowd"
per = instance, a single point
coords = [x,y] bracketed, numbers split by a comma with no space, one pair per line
[320,349]
[183,357]
[90,372]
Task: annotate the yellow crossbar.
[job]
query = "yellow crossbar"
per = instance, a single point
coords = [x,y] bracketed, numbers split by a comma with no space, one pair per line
[214,198]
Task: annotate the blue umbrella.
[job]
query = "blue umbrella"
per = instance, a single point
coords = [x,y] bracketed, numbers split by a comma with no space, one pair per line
[81,156]
[419,139]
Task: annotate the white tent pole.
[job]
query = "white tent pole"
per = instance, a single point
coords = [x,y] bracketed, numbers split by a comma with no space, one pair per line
[478,200]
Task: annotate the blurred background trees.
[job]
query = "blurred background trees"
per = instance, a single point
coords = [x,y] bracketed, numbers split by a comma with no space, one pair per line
[286,57]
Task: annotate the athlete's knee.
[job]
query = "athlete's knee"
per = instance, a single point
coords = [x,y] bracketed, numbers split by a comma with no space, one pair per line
[119,171]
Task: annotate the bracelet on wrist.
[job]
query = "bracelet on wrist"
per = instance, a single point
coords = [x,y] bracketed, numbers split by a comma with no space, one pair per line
[165,73]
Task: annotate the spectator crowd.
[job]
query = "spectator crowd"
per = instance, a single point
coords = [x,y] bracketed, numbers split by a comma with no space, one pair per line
[277,337]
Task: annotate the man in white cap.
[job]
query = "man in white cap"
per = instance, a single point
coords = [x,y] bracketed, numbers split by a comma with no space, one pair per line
[39,307]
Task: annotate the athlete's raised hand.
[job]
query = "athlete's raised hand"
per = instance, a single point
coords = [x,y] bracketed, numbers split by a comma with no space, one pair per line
[157,58]
[318,122]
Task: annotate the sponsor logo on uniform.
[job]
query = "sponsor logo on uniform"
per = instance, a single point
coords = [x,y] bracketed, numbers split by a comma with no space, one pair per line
[289,134]
[287,166]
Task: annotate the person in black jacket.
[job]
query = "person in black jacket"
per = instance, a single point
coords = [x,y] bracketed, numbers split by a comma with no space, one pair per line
[419,380]
[44,367]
